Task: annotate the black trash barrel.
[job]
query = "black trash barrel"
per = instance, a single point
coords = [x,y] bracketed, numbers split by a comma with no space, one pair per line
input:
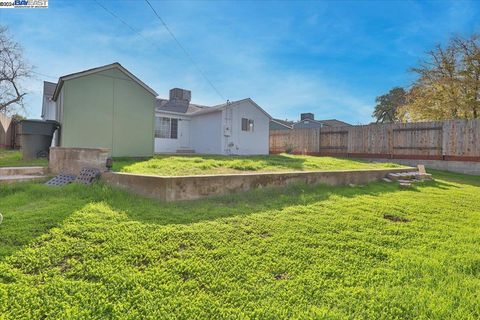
[36,137]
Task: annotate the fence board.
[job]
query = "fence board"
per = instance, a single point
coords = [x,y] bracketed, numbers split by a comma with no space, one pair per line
[5,131]
[451,140]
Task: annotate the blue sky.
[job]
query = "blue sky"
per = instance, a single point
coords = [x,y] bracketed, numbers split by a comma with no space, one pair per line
[329,58]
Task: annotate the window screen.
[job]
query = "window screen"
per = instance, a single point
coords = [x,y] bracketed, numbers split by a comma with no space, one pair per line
[162,127]
[166,128]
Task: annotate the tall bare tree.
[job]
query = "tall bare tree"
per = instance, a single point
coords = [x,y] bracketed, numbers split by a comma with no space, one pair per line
[13,71]
[469,75]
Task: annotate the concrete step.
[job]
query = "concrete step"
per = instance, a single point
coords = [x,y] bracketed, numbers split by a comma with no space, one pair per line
[405,183]
[409,176]
[20,178]
[11,171]
[402,176]
[185,151]
[425,176]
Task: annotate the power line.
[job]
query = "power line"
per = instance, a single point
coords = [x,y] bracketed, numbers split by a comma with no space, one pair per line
[171,34]
[184,50]
[43,74]
[120,19]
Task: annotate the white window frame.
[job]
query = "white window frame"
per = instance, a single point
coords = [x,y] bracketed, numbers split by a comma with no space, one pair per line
[166,131]
[250,125]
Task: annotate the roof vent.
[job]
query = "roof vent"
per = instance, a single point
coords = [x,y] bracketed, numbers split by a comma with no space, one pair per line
[304,116]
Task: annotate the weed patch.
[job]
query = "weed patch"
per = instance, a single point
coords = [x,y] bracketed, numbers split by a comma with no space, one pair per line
[200,165]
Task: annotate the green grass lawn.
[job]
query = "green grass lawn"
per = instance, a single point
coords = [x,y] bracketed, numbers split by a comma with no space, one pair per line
[295,253]
[200,165]
[13,158]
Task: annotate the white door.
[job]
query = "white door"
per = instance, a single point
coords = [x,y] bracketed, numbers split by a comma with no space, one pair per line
[184,130]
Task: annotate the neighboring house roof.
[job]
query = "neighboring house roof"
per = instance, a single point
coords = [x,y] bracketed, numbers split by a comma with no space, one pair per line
[114,65]
[195,109]
[48,90]
[308,123]
[283,123]
[334,123]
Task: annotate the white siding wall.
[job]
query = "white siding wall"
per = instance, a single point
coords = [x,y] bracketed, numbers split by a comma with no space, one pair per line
[57,137]
[247,142]
[50,109]
[206,133]
[169,145]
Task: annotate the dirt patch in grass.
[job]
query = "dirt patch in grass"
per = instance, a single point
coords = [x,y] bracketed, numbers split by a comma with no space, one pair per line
[395,218]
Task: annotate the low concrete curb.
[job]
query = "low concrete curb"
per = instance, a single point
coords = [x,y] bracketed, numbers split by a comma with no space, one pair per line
[195,187]
[465,167]
[11,171]
[4,179]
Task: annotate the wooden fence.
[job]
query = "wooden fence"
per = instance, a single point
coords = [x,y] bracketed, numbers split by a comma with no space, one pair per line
[9,137]
[445,140]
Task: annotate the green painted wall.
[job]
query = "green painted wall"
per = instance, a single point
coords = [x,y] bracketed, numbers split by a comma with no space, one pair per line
[108,110]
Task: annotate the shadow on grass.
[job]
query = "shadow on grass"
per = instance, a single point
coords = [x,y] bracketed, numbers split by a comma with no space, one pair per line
[456,178]
[247,203]
[29,210]
[33,209]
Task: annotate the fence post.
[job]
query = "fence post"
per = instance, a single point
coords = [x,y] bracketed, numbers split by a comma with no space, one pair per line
[390,141]
[444,139]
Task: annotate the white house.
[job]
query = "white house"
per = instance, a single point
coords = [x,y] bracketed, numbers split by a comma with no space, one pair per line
[109,107]
[237,128]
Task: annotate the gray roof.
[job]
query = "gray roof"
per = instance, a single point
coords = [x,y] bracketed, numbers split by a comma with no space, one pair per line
[177,106]
[334,123]
[287,123]
[276,124]
[48,88]
[196,109]
[48,91]
[308,123]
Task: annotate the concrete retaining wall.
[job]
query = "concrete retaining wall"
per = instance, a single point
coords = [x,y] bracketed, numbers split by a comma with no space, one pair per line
[194,187]
[72,160]
[466,167]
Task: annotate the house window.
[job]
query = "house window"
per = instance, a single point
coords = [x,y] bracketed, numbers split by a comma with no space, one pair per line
[173,128]
[247,124]
[166,128]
